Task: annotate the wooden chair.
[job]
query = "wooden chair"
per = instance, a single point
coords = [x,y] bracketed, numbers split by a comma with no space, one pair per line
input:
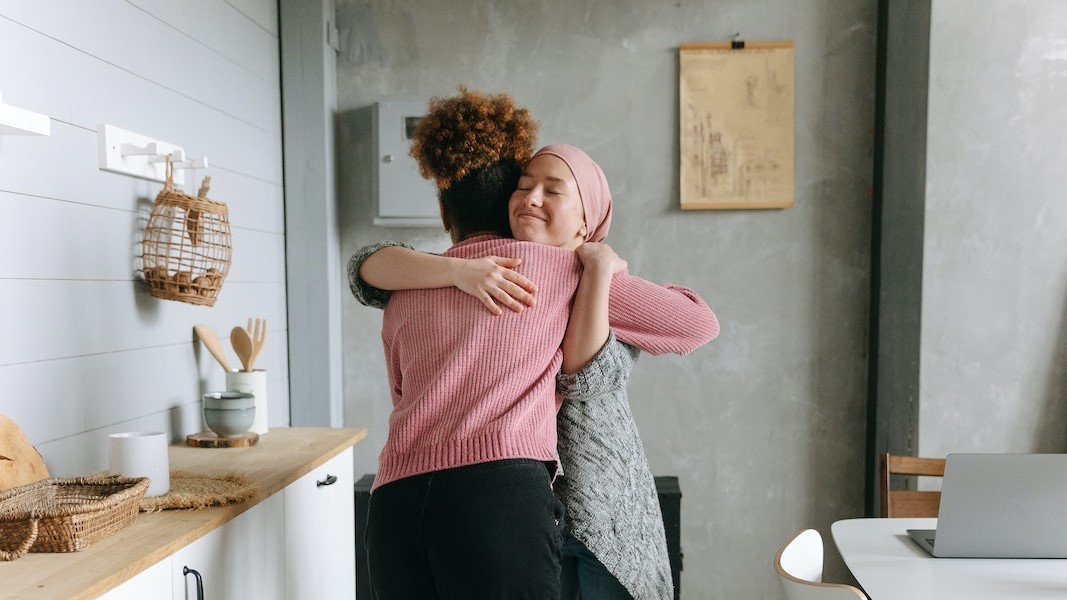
[909,503]
[799,567]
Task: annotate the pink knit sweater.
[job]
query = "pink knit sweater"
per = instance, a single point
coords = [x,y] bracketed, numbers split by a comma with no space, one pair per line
[470,387]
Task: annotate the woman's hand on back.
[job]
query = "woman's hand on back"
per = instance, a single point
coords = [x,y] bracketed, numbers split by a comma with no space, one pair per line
[492,280]
[599,258]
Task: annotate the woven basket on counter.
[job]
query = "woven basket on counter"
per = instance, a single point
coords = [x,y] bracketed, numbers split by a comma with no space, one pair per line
[187,245]
[66,514]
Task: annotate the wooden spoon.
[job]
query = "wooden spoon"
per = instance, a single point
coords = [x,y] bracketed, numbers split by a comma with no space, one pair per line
[258,331]
[207,337]
[242,345]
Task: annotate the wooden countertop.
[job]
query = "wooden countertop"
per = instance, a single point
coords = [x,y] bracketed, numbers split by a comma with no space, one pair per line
[280,458]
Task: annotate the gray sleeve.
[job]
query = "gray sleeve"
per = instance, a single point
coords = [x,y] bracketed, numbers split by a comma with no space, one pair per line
[608,371]
[365,293]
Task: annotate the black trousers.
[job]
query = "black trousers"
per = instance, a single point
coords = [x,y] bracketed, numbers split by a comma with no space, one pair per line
[491,531]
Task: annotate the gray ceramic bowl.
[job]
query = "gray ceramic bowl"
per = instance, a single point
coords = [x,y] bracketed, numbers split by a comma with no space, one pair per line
[230,400]
[229,422]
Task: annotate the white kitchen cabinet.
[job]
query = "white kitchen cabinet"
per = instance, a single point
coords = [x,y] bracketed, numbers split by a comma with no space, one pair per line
[154,582]
[244,558]
[294,539]
[320,551]
[295,545]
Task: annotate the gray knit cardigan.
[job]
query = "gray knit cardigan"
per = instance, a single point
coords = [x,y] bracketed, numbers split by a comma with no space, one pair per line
[607,487]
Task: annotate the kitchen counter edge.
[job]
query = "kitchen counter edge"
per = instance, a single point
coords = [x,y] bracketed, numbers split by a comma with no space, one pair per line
[281,457]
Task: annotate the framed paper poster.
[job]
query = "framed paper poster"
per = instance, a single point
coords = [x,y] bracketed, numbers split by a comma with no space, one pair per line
[736,125]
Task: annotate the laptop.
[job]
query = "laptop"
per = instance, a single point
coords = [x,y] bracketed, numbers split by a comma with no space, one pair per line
[1000,506]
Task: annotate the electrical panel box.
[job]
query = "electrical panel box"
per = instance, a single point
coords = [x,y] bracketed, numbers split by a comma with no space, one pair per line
[405,199]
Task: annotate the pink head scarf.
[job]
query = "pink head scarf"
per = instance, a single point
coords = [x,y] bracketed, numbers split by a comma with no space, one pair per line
[592,187]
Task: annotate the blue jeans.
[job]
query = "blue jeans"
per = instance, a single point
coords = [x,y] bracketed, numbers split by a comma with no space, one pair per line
[584,577]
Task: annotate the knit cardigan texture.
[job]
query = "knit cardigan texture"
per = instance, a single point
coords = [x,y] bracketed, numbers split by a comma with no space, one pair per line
[607,487]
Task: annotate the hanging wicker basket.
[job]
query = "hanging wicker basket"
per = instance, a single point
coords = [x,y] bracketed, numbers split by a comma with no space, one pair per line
[187,245]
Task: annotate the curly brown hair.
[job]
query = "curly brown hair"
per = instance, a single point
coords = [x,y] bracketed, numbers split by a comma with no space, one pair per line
[460,134]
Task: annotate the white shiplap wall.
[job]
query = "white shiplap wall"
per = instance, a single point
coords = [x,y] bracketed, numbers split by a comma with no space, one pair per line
[84,351]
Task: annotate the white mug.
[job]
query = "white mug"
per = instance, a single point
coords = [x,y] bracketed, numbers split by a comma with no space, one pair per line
[141,454]
[255,383]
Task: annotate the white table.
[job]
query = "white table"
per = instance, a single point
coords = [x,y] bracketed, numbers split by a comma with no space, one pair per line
[889,565]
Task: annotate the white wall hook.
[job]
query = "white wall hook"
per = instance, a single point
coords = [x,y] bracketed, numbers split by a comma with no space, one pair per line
[192,163]
[177,157]
[19,121]
[129,153]
[149,149]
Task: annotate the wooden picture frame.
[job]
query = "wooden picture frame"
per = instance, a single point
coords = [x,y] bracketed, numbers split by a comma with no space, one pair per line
[736,125]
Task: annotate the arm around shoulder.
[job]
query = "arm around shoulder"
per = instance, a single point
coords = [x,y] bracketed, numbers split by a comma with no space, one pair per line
[379,269]
[363,291]
[660,319]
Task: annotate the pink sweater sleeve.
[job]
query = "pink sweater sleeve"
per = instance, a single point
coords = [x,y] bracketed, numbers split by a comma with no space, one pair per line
[659,318]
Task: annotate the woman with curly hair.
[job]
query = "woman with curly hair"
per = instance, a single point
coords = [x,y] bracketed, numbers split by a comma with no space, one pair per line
[561,200]
[462,505]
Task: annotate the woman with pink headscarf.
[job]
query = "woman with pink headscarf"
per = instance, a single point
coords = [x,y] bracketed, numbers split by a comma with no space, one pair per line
[614,544]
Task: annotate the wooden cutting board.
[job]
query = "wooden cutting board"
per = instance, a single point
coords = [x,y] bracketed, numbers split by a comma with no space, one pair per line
[208,439]
[20,463]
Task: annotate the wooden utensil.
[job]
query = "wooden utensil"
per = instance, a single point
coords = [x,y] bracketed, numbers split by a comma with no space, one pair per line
[242,345]
[259,336]
[207,337]
[20,463]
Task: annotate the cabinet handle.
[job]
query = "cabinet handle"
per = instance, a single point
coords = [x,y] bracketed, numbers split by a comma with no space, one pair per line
[330,480]
[199,581]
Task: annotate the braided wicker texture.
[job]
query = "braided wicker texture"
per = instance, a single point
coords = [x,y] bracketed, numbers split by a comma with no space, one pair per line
[66,514]
[187,245]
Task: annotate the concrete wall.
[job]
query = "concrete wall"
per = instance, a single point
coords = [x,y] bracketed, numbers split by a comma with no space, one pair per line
[765,426]
[994,299]
[84,350]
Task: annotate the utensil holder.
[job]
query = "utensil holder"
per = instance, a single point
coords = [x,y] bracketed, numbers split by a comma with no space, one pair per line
[255,383]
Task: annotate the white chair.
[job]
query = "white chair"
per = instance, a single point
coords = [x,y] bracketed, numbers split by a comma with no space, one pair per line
[799,567]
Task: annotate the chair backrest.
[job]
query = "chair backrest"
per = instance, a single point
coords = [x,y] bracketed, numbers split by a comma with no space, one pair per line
[909,503]
[799,567]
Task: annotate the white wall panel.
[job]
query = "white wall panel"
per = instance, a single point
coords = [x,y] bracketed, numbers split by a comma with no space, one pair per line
[84,350]
[52,319]
[77,88]
[62,232]
[86,452]
[231,34]
[150,49]
[68,396]
[63,167]
[263,12]
[256,255]
[49,319]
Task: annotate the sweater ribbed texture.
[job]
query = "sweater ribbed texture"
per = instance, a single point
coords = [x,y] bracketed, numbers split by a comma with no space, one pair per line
[470,387]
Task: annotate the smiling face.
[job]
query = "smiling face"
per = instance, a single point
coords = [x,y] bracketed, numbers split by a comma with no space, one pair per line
[547,207]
